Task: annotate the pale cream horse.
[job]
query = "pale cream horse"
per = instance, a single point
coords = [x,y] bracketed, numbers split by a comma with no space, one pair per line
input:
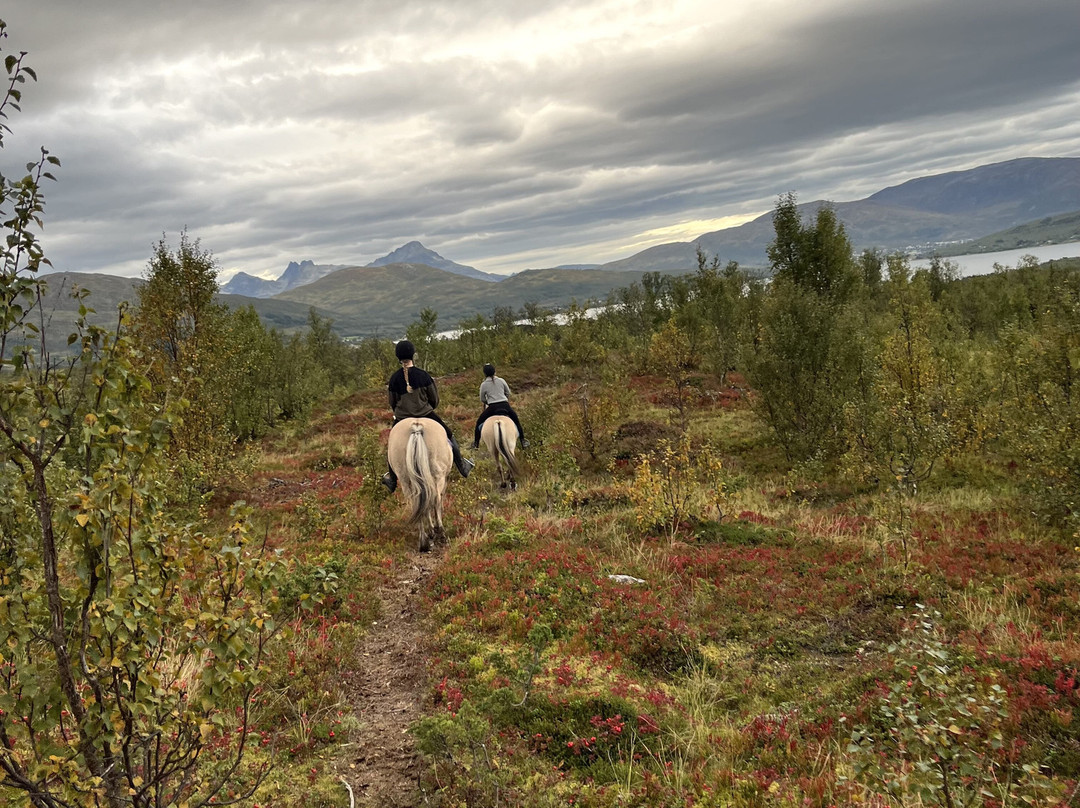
[500,435]
[420,456]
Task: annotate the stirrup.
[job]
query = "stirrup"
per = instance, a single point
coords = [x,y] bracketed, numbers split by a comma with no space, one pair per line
[466,466]
[389,481]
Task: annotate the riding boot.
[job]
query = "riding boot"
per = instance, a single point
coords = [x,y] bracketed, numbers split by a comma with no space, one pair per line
[390,481]
[462,464]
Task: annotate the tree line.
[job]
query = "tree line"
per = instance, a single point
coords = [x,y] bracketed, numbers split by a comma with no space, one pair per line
[871,368]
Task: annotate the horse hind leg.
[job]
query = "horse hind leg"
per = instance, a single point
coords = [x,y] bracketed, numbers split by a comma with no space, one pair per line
[425,536]
[508,480]
[437,527]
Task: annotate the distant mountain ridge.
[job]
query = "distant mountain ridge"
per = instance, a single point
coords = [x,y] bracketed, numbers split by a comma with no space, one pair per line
[1012,192]
[369,300]
[307,272]
[386,295]
[920,215]
[416,253]
[294,275]
[916,215]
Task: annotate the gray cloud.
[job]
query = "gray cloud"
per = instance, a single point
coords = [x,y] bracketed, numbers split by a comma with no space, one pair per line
[507,136]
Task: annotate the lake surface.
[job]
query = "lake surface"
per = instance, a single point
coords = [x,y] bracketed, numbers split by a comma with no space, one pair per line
[983,263]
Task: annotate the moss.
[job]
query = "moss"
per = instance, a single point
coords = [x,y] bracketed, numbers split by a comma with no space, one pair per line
[736,532]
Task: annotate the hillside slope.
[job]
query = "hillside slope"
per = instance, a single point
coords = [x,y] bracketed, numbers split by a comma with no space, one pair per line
[384,300]
[957,206]
[1061,229]
[61,311]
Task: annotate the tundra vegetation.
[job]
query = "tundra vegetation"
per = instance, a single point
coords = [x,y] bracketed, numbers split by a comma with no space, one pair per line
[808,542]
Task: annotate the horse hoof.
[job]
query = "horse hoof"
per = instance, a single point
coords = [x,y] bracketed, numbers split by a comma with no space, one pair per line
[425,545]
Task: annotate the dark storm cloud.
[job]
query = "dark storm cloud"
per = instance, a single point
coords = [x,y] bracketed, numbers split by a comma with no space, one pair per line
[509,135]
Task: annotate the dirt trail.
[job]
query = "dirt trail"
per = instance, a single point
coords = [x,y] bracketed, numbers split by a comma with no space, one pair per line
[384,771]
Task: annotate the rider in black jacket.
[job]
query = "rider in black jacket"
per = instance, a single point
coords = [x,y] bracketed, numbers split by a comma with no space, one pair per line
[413,395]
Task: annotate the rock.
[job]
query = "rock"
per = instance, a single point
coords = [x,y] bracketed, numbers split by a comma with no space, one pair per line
[625,579]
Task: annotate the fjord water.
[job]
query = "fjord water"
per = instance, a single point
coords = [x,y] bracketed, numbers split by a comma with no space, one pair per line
[983,263]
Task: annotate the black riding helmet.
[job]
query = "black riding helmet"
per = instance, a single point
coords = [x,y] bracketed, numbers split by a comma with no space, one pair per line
[404,350]
[489,369]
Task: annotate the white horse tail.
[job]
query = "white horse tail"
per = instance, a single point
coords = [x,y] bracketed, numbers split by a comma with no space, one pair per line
[418,472]
[508,456]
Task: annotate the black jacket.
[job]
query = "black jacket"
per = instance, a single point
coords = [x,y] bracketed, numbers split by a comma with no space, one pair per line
[418,402]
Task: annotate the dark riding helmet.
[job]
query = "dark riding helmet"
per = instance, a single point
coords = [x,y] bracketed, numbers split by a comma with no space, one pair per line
[404,350]
[489,369]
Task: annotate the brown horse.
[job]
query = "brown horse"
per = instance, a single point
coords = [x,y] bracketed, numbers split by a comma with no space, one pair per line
[420,456]
[500,435]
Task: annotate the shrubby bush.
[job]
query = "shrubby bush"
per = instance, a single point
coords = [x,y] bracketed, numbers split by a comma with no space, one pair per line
[133,644]
[938,736]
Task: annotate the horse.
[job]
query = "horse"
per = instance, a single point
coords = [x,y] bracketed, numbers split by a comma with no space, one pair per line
[420,456]
[500,435]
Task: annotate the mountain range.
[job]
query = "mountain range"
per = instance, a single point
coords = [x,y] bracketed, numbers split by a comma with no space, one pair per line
[308,272]
[919,216]
[294,275]
[1038,198]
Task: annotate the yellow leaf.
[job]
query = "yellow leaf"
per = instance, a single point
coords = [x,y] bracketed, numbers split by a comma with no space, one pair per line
[955,730]
[82,519]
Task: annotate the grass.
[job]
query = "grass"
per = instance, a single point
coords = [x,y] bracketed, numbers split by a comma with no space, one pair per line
[734,675]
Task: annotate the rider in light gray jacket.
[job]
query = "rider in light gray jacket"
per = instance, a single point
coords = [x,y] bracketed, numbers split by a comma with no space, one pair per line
[495,395]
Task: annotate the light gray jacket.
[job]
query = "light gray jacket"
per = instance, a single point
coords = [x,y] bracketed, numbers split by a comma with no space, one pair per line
[493,390]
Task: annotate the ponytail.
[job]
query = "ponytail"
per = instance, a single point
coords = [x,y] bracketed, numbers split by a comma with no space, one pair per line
[408,387]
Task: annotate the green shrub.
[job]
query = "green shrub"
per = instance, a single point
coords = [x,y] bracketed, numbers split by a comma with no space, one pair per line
[938,734]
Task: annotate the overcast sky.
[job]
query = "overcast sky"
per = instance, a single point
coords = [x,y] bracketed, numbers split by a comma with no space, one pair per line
[509,135]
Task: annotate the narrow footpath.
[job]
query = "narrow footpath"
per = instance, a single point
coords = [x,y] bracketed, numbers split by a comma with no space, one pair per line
[385,769]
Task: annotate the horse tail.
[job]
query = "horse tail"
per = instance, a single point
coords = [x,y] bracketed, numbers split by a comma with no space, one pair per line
[508,456]
[418,470]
